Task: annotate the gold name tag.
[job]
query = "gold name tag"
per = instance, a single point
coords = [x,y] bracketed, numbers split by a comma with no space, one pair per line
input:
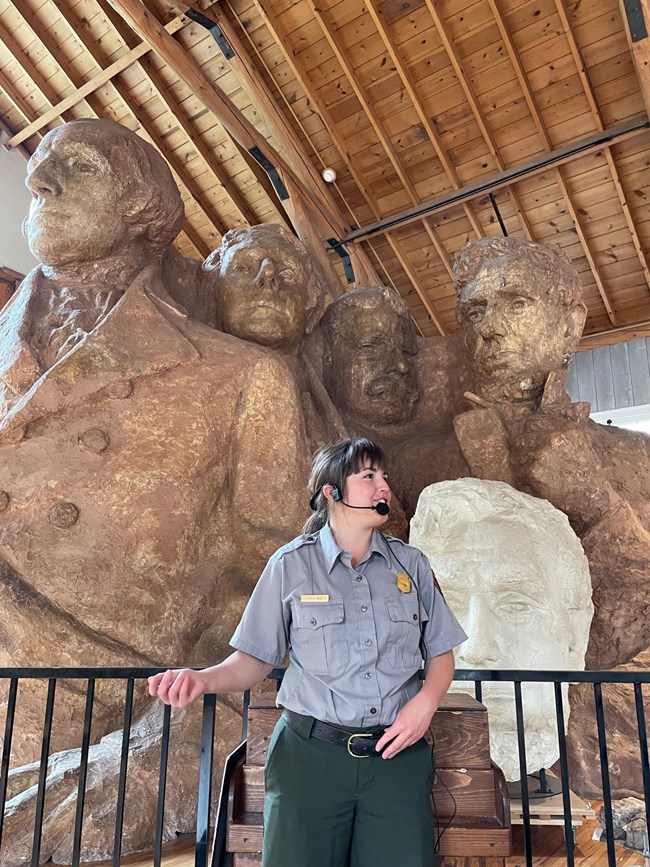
[403,583]
[323,597]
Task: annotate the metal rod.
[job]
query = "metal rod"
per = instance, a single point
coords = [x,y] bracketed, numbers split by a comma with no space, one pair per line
[525,807]
[124,763]
[42,772]
[162,786]
[497,212]
[566,153]
[244,714]
[83,773]
[205,781]
[6,748]
[643,746]
[569,842]
[604,773]
[478,690]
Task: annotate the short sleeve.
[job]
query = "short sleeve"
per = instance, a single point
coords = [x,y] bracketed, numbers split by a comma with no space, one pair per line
[442,632]
[264,628]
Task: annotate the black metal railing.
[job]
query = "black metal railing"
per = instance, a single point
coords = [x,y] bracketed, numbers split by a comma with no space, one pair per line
[12,677]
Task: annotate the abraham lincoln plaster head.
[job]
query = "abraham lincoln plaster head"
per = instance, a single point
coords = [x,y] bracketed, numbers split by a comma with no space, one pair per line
[99,191]
[514,573]
[520,308]
[369,345]
[266,287]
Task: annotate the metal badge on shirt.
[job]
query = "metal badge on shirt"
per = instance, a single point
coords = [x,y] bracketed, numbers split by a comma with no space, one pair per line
[318,597]
[403,582]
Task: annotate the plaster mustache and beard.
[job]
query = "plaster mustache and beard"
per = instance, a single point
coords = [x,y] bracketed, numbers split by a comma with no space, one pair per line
[516,577]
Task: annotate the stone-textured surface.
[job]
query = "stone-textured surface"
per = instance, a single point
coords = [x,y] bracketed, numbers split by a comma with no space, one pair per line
[624,759]
[629,823]
[497,554]
[150,462]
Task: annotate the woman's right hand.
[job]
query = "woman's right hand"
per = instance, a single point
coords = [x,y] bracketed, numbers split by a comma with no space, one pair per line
[178,687]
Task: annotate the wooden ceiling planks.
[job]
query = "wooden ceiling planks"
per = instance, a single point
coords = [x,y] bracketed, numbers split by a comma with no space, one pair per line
[404,100]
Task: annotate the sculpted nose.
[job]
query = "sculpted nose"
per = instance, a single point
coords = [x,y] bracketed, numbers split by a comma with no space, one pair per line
[492,324]
[267,277]
[42,182]
[397,362]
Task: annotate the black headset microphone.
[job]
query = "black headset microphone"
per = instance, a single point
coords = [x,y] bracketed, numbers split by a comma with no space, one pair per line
[380,508]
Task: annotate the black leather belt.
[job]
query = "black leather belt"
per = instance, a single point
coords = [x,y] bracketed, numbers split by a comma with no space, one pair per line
[360,745]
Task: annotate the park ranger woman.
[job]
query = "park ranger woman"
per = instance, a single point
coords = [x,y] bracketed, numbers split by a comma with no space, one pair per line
[349,774]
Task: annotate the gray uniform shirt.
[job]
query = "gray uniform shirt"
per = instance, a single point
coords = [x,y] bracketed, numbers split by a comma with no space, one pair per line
[353,634]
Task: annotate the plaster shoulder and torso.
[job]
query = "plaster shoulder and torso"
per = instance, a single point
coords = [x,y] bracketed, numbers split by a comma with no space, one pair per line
[171,462]
[353,632]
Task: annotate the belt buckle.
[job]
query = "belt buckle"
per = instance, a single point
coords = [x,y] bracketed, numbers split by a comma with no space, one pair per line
[349,744]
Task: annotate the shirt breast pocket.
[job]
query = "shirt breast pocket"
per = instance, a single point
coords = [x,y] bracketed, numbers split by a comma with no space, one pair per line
[406,619]
[318,637]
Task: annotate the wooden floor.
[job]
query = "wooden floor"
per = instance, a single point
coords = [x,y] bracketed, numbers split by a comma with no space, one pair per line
[548,851]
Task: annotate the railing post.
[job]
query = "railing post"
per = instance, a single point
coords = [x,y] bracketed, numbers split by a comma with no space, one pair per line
[523,771]
[6,749]
[205,781]
[83,772]
[604,773]
[564,776]
[42,772]
[124,762]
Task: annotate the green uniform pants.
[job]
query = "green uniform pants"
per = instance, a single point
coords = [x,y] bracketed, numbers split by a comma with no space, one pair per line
[324,808]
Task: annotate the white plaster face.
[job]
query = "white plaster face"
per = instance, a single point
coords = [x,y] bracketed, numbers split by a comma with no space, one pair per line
[514,573]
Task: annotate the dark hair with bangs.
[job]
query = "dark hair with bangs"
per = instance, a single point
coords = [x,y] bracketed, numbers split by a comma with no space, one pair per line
[332,465]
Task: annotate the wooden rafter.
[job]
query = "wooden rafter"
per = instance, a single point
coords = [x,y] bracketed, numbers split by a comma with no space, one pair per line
[233,120]
[301,75]
[163,92]
[88,87]
[598,118]
[543,134]
[32,74]
[425,118]
[18,105]
[475,107]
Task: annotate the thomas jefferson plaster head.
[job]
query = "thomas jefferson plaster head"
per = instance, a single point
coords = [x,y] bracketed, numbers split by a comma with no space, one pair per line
[369,343]
[267,290]
[514,573]
[520,308]
[99,190]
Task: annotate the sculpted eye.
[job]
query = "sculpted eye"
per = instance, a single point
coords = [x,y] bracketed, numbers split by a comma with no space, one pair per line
[475,314]
[519,303]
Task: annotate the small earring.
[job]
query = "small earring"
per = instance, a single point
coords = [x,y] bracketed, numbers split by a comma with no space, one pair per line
[566,358]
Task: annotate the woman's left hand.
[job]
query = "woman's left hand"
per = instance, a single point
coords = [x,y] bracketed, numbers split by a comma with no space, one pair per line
[410,725]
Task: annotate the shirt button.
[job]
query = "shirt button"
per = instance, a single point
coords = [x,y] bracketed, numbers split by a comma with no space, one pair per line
[373,710]
[359,577]
[313,621]
[368,641]
[415,617]
[368,675]
[364,607]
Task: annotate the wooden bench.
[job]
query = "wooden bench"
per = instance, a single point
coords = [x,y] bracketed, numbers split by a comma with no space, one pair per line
[480,828]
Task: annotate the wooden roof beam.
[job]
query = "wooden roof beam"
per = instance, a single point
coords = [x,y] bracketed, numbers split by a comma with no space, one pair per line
[598,118]
[425,119]
[413,277]
[302,77]
[206,156]
[88,87]
[23,110]
[543,134]
[31,73]
[535,166]
[236,124]
[477,111]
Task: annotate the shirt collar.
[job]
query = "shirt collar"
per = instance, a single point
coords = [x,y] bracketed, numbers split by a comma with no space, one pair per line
[332,551]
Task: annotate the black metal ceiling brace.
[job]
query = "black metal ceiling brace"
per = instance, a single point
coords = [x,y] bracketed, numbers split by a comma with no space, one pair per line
[338,247]
[216,31]
[635,20]
[271,171]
